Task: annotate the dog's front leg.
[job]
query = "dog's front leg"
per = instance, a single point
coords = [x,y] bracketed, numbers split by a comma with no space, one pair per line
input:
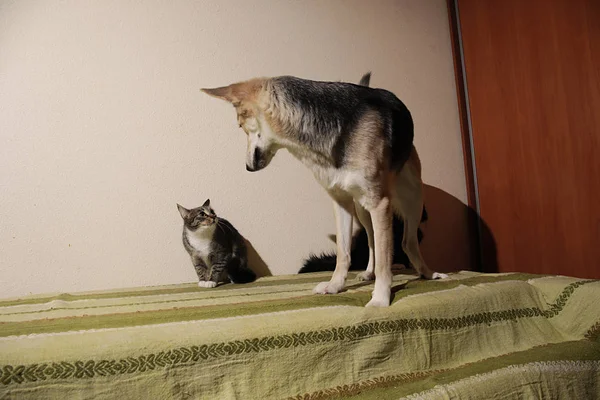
[365,219]
[381,217]
[343,223]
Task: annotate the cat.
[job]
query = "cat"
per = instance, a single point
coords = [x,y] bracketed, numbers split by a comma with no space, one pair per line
[216,248]
[359,253]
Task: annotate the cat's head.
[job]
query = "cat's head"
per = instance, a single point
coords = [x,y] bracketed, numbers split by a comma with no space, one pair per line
[198,218]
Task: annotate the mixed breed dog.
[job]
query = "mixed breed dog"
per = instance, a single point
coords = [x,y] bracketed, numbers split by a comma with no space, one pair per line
[358,142]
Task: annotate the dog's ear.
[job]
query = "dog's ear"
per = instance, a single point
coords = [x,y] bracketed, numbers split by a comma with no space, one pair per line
[224,93]
[236,92]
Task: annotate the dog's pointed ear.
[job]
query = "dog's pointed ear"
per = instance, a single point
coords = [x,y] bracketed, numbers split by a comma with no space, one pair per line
[223,93]
[183,211]
[365,80]
[237,93]
[206,203]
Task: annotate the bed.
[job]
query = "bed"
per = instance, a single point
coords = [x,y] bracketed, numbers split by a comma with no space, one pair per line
[472,336]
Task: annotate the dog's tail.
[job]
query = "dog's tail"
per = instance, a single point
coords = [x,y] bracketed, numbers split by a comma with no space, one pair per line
[365,80]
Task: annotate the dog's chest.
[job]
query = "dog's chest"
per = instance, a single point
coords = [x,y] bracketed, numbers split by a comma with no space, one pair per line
[334,179]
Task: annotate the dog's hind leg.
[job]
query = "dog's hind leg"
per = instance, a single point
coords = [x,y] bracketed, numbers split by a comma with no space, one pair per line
[408,201]
[365,219]
[343,223]
[381,216]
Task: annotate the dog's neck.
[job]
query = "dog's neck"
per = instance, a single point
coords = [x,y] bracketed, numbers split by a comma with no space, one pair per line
[285,128]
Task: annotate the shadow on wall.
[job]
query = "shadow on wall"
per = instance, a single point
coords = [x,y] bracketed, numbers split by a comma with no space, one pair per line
[450,241]
[255,261]
[450,235]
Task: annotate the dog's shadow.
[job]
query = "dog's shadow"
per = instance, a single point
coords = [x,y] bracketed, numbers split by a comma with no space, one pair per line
[455,237]
[453,240]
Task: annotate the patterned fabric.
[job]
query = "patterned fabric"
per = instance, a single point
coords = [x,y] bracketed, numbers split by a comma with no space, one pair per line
[471,336]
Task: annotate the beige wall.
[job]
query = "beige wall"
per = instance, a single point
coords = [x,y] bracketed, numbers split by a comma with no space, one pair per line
[103,128]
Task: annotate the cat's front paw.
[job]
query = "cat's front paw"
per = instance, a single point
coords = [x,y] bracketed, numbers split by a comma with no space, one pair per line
[207,284]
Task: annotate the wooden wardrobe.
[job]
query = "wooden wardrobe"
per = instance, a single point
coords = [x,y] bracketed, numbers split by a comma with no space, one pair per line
[528,80]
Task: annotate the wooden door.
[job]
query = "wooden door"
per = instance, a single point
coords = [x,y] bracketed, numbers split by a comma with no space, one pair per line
[532,72]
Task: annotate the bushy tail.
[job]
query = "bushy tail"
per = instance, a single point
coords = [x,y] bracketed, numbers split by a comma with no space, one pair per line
[240,274]
[359,255]
[315,263]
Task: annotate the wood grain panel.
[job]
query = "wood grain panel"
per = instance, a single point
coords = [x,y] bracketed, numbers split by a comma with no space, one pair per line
[533,74]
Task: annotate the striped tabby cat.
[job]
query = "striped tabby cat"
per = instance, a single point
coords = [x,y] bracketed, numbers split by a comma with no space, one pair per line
[216,248]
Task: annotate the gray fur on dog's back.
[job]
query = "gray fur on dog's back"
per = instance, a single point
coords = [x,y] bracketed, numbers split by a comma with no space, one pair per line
[328,113]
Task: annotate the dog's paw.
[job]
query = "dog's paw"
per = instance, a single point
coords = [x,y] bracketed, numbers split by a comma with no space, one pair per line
[380,298]
[439,275]
[379,301]
[433,275]
[365,276]
[328,287]
[207,284]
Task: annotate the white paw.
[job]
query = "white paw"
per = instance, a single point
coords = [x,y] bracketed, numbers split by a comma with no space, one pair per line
[381,298]
[207,284]
[365,276]
[328,287]
[377,303]
[438,275]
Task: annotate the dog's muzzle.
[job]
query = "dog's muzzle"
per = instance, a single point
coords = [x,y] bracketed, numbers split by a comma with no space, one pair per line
[257,161]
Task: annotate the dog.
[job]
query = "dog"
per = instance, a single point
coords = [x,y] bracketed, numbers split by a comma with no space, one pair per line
[359,254]
[358,142]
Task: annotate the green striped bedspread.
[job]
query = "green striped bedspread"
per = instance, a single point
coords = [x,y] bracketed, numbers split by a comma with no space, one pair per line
[472,336]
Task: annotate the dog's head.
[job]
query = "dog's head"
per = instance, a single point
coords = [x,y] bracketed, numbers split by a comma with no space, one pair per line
[246,98]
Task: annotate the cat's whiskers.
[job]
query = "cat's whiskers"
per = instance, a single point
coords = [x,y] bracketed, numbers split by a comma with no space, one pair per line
[223,225]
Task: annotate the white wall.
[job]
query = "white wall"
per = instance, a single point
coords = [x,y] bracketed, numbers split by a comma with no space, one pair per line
[103,128]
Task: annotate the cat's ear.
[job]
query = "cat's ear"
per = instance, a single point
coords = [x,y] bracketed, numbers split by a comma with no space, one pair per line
[183,211]
[206,203]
